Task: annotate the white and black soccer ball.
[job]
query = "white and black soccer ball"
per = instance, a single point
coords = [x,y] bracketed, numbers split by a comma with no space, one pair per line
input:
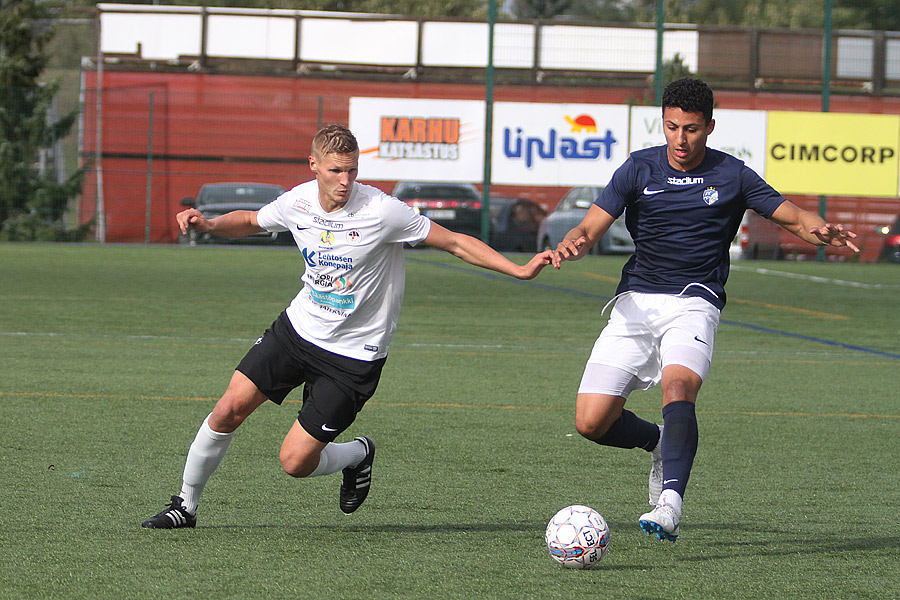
[577,537]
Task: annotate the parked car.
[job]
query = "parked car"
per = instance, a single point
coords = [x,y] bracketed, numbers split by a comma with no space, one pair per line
[216,199]
[569,213]
[514,224]
[890,250]
[456,206]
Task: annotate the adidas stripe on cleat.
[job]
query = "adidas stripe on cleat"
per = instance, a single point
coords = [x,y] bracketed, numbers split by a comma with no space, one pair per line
[174,517]
[358,480]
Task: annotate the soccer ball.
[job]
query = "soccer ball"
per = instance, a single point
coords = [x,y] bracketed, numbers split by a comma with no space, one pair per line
[577,537]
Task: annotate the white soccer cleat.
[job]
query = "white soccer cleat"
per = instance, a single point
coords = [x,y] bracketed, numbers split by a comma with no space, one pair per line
[656,471]
[662,522]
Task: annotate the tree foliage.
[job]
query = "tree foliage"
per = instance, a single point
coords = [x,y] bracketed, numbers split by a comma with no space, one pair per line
[848,14]
[31,203]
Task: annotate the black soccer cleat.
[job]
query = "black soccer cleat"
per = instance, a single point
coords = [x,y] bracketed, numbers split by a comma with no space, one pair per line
[174,517]
[358,479]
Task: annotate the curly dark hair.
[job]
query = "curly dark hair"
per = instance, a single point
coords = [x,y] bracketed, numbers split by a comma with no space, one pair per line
[690,95]
[334,139]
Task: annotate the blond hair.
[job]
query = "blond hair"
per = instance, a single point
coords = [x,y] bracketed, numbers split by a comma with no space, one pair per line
[334,139]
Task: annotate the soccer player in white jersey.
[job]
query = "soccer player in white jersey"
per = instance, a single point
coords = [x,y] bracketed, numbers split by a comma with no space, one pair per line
[333,338]
[683,204]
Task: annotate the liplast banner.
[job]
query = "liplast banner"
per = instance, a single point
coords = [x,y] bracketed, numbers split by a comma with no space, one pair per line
[834,154]
[402,139]
[557,144]
[741,133]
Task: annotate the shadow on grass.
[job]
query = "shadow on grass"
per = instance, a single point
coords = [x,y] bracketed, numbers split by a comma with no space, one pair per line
[781,543]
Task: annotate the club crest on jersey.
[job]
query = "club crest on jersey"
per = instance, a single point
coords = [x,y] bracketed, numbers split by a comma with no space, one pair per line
[354,237]
[710,195]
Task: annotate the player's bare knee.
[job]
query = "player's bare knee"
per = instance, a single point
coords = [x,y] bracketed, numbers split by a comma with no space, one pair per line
[678,390]
[297,463]
[225,418]
[295,466]
[590,428]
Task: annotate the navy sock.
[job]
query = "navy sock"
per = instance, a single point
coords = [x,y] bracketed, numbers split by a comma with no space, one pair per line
[630,431]
[679,444]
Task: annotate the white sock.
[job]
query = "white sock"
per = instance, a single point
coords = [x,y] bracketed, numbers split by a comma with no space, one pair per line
[335,457]
[207,451]
[673,499]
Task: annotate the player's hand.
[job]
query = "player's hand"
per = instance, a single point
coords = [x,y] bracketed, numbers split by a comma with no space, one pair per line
[567,250]
[535,265]
[192,218]
[831,234]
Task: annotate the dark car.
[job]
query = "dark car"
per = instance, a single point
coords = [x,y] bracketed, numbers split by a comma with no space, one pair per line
[216,199]
[514,224]
[456,206]
[890,250]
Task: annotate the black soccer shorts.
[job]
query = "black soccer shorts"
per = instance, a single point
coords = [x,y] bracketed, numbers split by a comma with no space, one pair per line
[335,387]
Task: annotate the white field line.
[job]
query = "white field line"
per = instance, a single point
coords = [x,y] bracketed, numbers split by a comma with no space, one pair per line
[814,278]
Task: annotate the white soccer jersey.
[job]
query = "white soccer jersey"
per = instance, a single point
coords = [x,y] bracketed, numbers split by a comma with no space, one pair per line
[355,273]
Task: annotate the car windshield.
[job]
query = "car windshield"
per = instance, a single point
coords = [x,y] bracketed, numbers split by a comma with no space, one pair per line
[241,194]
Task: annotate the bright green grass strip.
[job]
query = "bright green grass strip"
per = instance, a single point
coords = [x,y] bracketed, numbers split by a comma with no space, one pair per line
[112,356]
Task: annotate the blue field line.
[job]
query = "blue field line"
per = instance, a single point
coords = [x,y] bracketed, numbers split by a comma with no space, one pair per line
[562,290]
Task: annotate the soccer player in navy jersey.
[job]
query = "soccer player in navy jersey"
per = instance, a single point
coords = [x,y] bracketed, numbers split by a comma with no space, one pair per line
[683,204]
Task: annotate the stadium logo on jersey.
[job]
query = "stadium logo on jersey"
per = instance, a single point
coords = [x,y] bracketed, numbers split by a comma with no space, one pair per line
[685,181]
[354,237]
[710,195]
[310,257]
[327,238]
[327,223]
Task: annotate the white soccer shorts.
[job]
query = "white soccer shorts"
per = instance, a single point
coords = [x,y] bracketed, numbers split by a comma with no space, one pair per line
[645,333]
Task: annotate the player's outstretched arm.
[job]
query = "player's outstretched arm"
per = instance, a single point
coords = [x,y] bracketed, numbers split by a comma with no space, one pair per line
[236,224]
[583,236]
[811,227]
[475,252]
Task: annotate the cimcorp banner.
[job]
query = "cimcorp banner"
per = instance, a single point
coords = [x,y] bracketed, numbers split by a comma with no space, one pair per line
[557,144]
[419,139]
[833,154]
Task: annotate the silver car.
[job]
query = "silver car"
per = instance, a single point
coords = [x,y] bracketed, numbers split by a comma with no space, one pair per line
[569,213]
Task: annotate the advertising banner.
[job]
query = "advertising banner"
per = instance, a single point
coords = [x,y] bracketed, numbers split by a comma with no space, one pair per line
[741,133]
[557,144]
[833,154]
[402,139]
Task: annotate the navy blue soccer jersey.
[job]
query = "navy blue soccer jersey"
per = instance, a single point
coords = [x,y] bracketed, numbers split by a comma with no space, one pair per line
[683,222]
